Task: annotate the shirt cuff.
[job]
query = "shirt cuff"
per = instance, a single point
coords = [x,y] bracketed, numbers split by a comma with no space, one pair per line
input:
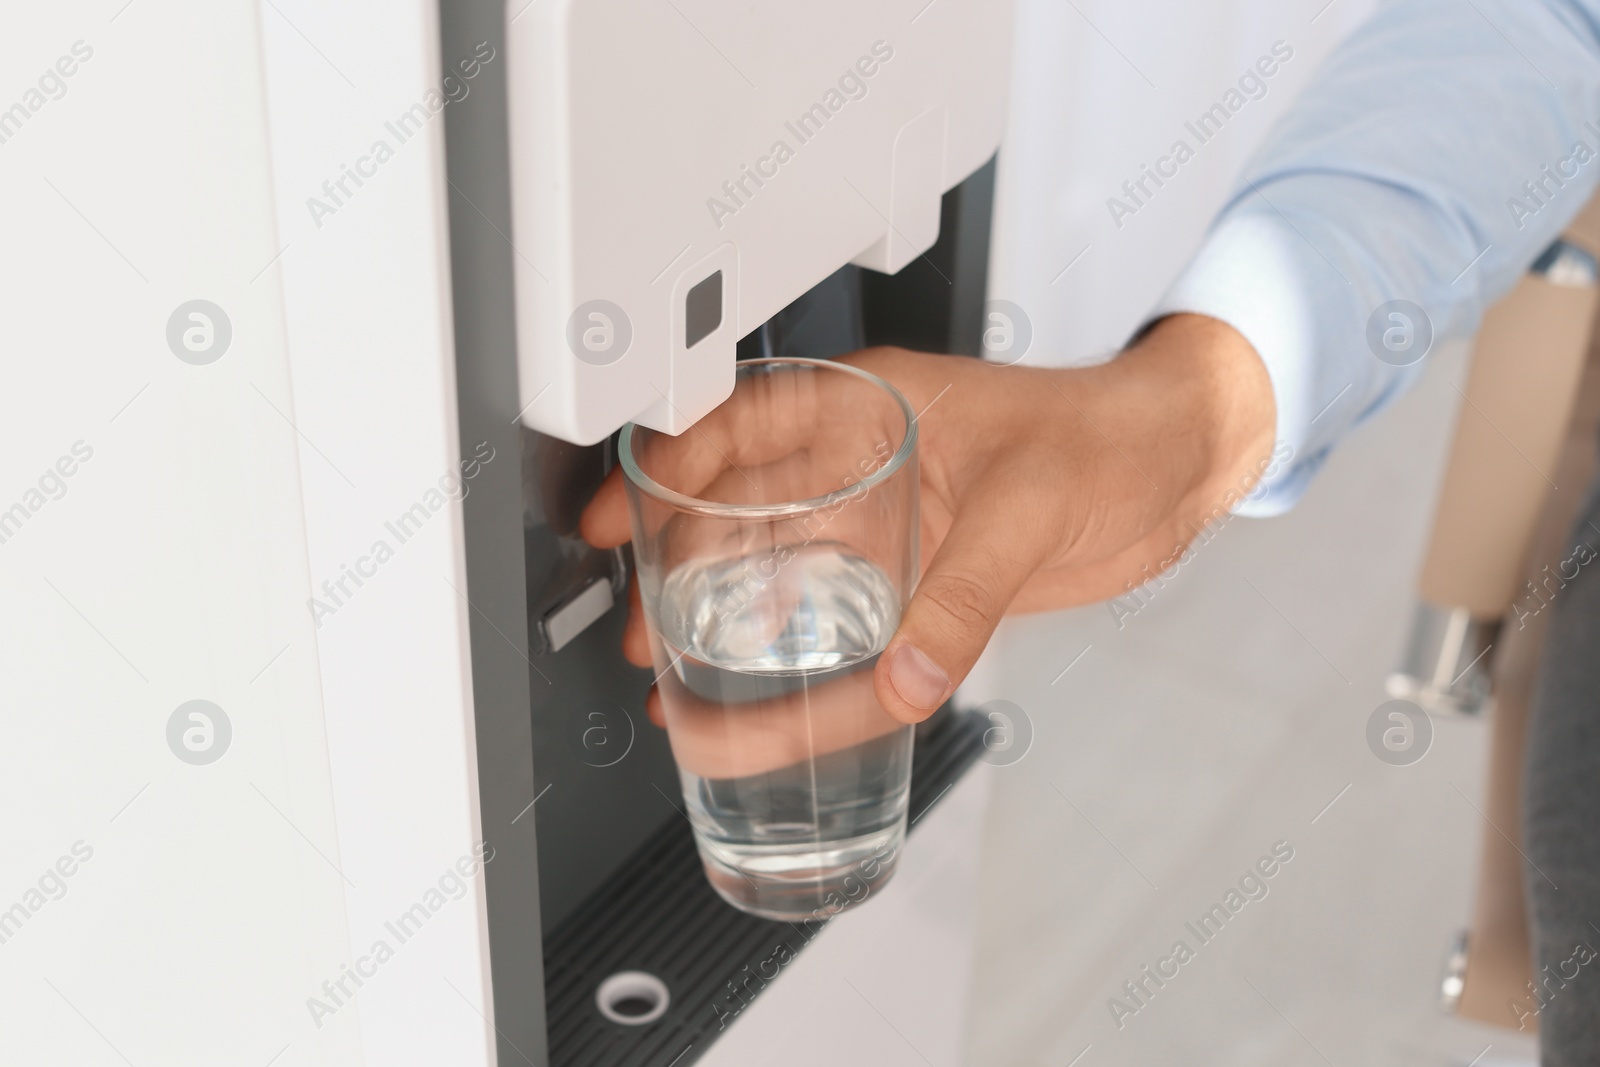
[1259,276]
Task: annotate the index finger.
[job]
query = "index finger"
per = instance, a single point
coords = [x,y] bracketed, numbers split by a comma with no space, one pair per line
[604,522]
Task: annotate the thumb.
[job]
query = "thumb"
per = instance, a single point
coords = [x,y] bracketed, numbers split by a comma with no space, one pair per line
[987,556]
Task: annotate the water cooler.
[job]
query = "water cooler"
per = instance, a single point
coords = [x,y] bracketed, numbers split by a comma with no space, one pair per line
[667,188]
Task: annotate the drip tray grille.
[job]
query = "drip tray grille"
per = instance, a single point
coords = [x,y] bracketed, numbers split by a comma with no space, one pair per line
[656,915]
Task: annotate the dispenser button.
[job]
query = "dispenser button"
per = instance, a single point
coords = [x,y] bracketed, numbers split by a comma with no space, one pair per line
[578,614]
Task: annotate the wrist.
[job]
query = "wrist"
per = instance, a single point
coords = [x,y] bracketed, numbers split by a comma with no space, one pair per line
[1205,413]
[1229,396]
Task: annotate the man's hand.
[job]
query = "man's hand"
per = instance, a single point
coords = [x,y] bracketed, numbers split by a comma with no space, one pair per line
[1045,488]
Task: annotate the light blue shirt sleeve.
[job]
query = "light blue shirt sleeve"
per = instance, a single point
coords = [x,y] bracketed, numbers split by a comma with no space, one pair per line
[1440,150]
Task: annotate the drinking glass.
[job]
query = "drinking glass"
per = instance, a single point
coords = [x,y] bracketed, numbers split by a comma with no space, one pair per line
[776,543]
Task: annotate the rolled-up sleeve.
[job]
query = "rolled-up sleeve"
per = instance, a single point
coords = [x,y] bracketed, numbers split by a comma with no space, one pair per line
[1440,150]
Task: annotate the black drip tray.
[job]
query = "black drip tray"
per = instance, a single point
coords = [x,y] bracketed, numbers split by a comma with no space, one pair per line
[656,914]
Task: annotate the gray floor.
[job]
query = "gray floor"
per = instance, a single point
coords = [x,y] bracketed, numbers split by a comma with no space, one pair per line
[1223,718]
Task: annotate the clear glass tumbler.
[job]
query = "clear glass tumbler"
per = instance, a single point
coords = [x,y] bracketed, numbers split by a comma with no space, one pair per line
[776,543]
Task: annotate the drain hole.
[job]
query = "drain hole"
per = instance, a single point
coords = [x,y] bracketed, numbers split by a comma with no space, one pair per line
[634,1007]
[632,998]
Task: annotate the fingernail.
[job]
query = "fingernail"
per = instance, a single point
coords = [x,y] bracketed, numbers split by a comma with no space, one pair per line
[917,679]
